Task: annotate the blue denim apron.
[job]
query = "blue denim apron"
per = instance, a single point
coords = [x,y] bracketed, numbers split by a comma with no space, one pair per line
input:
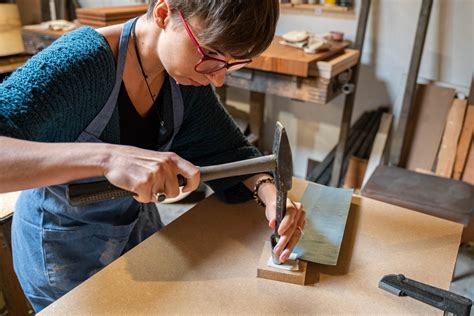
[56,246]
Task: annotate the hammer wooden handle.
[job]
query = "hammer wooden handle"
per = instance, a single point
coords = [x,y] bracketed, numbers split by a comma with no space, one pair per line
[93,192]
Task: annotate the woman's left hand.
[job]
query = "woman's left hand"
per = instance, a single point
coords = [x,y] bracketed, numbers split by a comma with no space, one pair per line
[291,227]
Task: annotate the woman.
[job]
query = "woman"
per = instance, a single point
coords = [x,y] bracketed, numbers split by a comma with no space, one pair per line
[131,103]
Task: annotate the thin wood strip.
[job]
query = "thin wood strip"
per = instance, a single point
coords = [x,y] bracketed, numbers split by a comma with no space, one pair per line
[378,149]
[464,143]
[468,175]
[452,131]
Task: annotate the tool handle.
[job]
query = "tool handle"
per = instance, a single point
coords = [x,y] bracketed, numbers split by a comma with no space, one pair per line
[86,193]
[436,297]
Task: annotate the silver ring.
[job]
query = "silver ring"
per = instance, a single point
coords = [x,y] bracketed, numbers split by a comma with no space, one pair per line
[159,197]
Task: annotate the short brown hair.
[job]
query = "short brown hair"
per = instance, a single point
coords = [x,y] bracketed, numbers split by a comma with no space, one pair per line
[241,28]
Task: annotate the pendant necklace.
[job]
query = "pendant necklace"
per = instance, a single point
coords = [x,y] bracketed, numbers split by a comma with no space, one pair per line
[145,77]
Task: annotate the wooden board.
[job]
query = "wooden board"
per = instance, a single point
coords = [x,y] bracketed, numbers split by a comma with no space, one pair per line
[11,63]
[288,60]
[378,149]
[464,143]
[468,175]
[431,104]
[334,66]
[205,263]
[449,143]
[355,173]
[437,196]
[7,204]
[112,13]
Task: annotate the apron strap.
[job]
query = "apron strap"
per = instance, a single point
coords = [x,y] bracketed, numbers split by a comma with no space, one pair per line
[178,112]
[98,124]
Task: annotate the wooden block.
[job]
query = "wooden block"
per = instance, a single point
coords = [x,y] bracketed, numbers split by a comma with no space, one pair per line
[266,272]
[378,149]
[431,107]
[334,66]
[287,60]
[452,131]
[468,175]
[464,143]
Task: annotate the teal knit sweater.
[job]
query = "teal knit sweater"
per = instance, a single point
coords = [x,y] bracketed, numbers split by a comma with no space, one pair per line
[55,95]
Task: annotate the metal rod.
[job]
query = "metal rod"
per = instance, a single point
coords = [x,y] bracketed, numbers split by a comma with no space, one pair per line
[398,149]
[350,98]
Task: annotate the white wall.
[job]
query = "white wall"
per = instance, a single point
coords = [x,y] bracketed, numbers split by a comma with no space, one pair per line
[448,60]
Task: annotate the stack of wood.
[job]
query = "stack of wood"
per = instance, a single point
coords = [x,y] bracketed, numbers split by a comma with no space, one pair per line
[99,17]
[441,135]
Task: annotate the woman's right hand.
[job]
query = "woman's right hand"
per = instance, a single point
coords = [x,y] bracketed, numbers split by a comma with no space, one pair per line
[147,172]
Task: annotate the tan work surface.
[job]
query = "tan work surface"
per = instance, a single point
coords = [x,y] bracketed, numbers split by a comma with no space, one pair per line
[206,262]
[7,204]
[288,60]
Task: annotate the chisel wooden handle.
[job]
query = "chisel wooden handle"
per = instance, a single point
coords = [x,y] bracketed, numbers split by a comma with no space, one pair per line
[87,193]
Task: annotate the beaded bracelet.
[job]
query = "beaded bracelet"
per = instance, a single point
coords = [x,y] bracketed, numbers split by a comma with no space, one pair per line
[257,186]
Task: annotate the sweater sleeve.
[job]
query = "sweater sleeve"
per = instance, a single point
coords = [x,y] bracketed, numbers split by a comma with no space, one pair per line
[209,136]
[58,91]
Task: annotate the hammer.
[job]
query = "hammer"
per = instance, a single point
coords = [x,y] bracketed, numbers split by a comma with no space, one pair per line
[279,162]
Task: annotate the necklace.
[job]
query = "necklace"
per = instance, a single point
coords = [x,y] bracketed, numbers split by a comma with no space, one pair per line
[145,77]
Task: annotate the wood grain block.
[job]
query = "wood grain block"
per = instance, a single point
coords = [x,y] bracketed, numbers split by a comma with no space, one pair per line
[266,272]
[288,60]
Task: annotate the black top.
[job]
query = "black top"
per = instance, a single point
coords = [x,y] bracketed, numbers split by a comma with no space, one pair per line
[144,132]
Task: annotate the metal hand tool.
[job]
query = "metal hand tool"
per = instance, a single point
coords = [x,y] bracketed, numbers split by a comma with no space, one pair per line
[447,301]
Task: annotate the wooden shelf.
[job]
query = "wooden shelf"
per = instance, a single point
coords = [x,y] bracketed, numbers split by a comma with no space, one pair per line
[317,9]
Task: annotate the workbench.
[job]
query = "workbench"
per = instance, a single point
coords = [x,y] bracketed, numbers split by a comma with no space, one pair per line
[205,262]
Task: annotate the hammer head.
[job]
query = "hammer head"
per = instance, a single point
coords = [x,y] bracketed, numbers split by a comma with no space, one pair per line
[284,161]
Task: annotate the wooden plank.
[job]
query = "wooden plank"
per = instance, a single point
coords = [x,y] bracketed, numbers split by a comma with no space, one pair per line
[198,265]
[431,105]
[112,13]
[7,204]
[433,195]
[452,131]
[378,149]
[464,143]
[332,67]
[468,175]
[355,173]
[288,60]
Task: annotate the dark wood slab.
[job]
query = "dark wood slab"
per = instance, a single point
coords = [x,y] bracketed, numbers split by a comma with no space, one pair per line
[441,197]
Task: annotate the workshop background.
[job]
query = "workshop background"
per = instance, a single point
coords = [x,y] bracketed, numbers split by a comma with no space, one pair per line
[419,109]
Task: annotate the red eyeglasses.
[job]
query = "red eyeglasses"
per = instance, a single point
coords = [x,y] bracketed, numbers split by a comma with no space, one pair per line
[209,64]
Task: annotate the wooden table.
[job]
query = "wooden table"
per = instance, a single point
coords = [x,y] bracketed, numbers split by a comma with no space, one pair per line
[205,263]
